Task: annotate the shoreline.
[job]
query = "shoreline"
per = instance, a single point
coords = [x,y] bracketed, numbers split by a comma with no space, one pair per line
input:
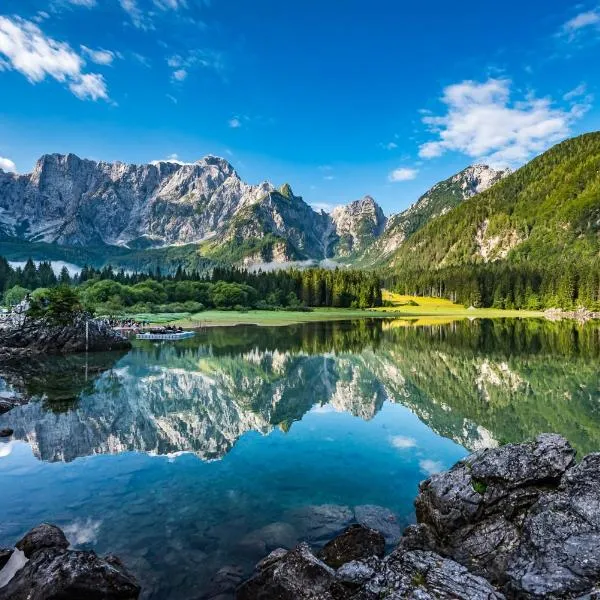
[261,318]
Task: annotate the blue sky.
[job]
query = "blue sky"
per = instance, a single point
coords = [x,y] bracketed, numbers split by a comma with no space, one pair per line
[339,98]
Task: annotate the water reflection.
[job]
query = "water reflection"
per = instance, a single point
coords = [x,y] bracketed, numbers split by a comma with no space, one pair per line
[479,383]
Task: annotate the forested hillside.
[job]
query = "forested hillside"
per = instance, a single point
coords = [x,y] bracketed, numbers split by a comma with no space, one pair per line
[546,211]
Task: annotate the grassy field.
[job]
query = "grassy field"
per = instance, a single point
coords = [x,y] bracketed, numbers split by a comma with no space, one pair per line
[409,310]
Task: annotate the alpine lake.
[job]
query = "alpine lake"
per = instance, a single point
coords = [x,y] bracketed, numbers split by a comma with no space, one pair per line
[191,460]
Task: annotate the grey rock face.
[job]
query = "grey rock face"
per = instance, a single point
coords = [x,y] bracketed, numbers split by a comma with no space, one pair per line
[518,522]
[357,225]
[475,512]
[354,543]
[40,537]
[52,572]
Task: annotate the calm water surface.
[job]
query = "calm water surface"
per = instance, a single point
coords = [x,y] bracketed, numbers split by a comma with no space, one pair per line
[191,460]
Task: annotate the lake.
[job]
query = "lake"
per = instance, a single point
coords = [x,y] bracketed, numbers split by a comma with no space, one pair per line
[190,460]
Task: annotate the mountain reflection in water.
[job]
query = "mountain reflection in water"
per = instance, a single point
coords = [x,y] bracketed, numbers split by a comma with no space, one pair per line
[479,383]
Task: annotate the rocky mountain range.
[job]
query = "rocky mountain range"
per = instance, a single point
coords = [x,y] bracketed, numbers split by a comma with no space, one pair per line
[79,203]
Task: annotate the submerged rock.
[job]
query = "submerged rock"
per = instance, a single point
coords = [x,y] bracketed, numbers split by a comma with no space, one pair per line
[517,522]
[354,543]
[47,570]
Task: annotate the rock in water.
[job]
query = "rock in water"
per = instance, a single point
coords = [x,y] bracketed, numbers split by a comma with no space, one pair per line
[296,574]
[40,537]
[53,574]
[36,336]
[354,543]
[6,432]
[49,571]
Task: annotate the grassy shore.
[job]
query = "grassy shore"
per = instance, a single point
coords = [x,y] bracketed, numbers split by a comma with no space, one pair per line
[408,310]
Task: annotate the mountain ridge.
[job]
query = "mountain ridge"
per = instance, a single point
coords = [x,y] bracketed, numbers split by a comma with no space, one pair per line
[164,205]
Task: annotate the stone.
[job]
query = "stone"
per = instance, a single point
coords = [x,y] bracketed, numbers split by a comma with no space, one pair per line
[55,573]
[320,522]
[381,519]
[424,575]
[559,553]
[297,574]
[40,537]
[473,512]
[356,542]
[37,336]
[269,537]
[7,432]
[5,554]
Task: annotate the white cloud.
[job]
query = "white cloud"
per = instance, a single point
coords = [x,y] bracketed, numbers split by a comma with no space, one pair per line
[7,165]
[483,123]
[582,21]
[180,74]
[137,16]
[100,56]
[328,177]
[402,174]
[402,442]
[86,3]
[36,56]
[429,467]
[89,86]
[389,146]
[234,123]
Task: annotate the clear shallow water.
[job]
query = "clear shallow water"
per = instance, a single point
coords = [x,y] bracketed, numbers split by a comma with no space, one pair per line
[184,458]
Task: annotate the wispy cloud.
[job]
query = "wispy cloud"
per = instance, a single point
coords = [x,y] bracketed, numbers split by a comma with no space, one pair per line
[402,174]
[171,4]
[86,3]
[25,48]
[389,145]
[234,123]
[482,122]
[7,165]
[580,24]
[197,58]
[100,56]
[138,17]
[325,206]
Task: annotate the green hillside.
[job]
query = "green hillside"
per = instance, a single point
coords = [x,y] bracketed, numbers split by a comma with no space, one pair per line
[547,210]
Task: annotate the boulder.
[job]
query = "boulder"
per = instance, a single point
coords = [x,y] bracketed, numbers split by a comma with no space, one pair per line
[424,575]
[40,537]
[320,522]
[38,336]
[356,542]
[559,552]
[58,574]
[381,519]
[45,569]
[474,512]
[296,574]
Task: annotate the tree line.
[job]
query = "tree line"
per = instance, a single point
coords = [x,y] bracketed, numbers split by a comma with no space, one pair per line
[108,291]
[566,285]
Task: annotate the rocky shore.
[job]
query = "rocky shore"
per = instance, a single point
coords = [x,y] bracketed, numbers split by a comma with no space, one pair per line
[515,522]
[37,336]
[42,567]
